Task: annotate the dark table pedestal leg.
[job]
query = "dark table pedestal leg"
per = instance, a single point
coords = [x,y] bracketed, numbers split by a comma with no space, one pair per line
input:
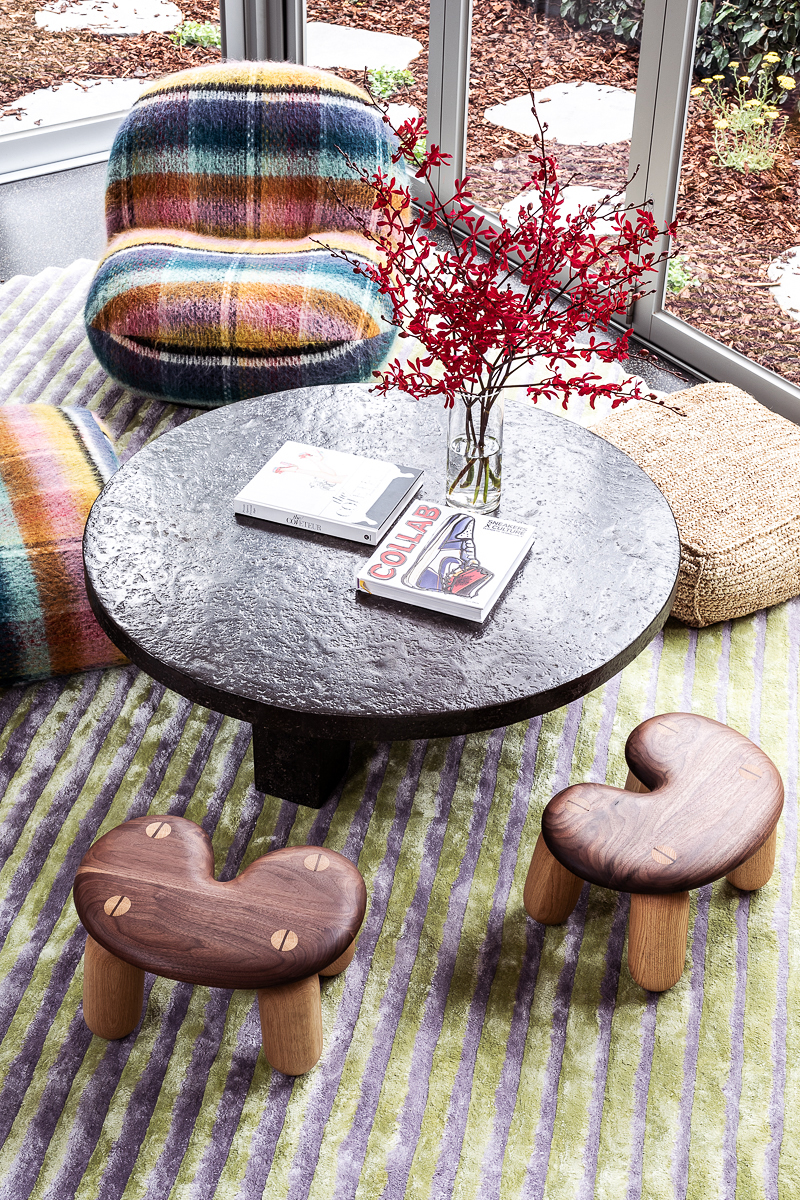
[303,770]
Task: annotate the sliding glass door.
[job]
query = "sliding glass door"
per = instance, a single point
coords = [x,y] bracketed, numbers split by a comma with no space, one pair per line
[620,85]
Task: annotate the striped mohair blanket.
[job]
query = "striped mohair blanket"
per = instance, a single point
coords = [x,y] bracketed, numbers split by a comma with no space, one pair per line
[230,197]
[53,462]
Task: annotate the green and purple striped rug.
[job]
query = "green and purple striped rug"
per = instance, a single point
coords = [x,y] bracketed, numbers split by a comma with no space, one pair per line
[469,1053]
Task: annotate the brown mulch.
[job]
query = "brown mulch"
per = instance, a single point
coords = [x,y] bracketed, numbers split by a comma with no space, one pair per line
[32,58]
[732,225]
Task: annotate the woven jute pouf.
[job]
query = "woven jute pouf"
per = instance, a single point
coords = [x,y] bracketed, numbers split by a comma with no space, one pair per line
[730,469]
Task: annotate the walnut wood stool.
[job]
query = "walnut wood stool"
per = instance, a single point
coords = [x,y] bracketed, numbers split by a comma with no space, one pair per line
[701,801]
[147,896]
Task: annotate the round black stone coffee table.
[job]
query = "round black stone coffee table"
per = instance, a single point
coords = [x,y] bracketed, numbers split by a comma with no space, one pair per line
[264,623]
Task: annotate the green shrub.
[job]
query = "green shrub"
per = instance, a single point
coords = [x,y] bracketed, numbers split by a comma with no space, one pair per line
[679,275]
[729,30]
[195,33]
[384,82]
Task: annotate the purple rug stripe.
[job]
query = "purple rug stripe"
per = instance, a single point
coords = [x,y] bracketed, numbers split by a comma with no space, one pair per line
[616,941]
[144,1096]
[144,431]
[641,1086]
[605,1015]
[507,1088]
[680,1154]
[537,1167]
[38,775]
[41,1126]
[331,1065]
[353,1147]
[138,809]
[400,1157]
[724,673]
[688,672]
[787,865]
[25,1063]
[251,811]
[489,957]
[189,1100]
[49,827]
[732,1089]
[93,1108]
[235,1089]
[110,399]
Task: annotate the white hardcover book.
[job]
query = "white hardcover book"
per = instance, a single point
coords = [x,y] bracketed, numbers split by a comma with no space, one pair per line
[328,491]
[448,560]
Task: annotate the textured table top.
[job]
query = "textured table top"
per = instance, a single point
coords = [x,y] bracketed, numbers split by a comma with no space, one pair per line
[264,622]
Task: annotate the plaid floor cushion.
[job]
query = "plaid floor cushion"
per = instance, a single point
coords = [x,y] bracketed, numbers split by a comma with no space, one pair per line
[229,197]
[53,463]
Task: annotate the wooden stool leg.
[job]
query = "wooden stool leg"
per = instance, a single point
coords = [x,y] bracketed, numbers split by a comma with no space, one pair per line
[344,960]
[291,1025]
[657,932]
[551,891]
[113,993]
[632,784]
[757,870]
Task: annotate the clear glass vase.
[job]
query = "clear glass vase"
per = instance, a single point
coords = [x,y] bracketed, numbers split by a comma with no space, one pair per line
[475,454]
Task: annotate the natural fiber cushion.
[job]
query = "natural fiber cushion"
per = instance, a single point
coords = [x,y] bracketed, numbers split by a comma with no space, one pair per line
[53,463]
[730,469]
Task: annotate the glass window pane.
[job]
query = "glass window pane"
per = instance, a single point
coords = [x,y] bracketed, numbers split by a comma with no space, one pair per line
[585,81]
[386,38]
[86,60]
[736,276]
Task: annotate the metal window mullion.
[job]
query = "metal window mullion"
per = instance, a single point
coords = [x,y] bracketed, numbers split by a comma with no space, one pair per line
[448,87]
[259,30]
[665,74]
[666,58]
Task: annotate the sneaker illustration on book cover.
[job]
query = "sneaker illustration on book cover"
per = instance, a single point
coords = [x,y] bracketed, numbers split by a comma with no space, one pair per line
[450,564]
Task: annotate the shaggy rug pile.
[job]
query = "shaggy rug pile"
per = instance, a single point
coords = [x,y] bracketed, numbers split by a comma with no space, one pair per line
[469,1052]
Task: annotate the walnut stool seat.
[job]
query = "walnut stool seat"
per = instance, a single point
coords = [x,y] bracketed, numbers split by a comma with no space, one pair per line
[701,801]
[147,896]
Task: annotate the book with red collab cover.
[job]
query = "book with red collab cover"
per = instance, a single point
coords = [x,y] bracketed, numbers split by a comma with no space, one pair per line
[448,560]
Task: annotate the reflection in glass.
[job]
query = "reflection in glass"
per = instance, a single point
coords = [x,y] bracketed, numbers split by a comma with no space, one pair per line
[736,275]
[584,83]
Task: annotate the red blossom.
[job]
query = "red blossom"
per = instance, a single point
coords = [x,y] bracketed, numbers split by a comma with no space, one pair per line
[495,301]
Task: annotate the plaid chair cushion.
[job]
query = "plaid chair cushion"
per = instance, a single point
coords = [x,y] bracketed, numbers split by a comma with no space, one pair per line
[53,463]
[228,188]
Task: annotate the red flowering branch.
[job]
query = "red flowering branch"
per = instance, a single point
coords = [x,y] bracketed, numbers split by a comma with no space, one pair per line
[493,302]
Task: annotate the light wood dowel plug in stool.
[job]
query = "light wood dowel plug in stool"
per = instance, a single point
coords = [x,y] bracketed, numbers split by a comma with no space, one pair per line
[147,897]
[701,801]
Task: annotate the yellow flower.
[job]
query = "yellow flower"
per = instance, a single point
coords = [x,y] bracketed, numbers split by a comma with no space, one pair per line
[760,121]
[771,113]
[720,124]
[772,57]
[697,91]
[717,76]
[734,66]
[752,103]
[708,79]
[786,82]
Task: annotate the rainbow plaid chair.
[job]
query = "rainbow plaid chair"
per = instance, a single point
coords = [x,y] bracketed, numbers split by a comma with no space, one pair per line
[224,193]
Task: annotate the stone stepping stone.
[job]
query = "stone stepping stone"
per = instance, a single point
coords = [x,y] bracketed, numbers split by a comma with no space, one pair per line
[576,196]
[357,49]
[785,271]
[117,17]
[72,102]
[576,114]
[399,113]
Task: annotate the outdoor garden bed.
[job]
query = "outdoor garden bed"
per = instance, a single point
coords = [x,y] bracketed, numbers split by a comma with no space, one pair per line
[732,224]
